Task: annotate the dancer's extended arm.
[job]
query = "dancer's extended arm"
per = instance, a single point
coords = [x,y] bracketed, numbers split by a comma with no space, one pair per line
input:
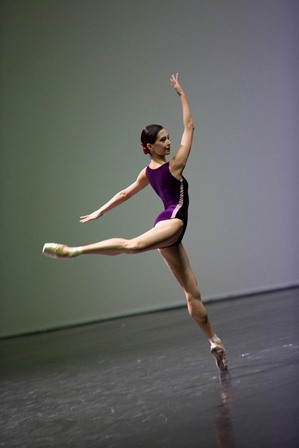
[181,156]
[140,183]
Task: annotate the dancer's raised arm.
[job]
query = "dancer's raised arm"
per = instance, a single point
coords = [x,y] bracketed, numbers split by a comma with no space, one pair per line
[120,197]
[180,158]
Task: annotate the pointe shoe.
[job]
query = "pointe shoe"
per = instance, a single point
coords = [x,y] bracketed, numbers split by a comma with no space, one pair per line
[54,250]
[218,351]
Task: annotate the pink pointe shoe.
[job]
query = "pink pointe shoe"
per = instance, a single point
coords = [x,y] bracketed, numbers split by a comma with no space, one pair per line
[217,350]
[54,250]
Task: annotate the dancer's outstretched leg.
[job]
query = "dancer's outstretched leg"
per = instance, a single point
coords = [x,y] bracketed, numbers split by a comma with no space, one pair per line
[162,235]
[177,260]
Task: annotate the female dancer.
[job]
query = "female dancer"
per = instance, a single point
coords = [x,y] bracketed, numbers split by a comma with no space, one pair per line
[167,180]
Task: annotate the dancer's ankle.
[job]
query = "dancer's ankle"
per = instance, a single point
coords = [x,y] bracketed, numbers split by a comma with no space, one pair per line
[74,251]
[215,339]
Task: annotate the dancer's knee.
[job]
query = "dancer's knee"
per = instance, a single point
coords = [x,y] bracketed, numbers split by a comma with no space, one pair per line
[196,308]
[133,246]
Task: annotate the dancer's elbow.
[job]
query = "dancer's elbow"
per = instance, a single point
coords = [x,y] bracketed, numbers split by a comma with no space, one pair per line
[124,195]
[190,125]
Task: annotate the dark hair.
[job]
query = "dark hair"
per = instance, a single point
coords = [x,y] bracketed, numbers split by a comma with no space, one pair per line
[149,135]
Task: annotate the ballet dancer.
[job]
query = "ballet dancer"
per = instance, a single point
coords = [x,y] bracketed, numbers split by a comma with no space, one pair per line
[166,178]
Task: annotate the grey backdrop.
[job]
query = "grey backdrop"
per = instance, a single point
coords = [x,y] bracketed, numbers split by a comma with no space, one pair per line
[79,80]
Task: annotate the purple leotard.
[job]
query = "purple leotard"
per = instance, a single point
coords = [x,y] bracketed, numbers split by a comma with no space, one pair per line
[174,195]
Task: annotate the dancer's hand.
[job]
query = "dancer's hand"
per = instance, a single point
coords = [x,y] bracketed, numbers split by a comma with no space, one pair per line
[174,81]
[91,217]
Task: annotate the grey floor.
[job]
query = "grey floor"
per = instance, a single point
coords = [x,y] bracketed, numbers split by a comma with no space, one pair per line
[149,381]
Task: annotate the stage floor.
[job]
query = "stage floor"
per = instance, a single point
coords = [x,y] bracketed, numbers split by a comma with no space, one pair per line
[149,381]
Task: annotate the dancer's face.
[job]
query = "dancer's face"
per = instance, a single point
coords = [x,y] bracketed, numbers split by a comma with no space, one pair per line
[161,147]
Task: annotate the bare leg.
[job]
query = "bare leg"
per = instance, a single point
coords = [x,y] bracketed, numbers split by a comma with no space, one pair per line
[162,235]
[177,260]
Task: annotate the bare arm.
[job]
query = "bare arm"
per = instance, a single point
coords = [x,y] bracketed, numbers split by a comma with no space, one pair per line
[180,158]
[140,183]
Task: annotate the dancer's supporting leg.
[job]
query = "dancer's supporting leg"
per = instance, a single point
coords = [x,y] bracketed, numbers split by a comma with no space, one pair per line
[162,235]
[177,260]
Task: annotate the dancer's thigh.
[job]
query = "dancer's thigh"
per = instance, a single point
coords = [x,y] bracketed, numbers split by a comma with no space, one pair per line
[162,235]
